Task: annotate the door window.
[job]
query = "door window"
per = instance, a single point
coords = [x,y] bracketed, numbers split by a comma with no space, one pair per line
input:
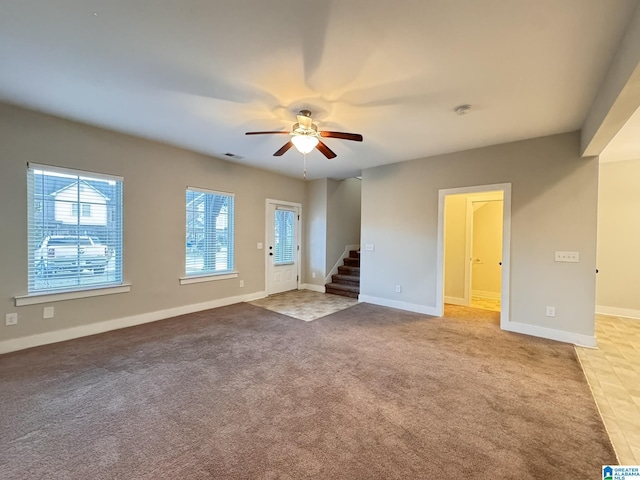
[284,248]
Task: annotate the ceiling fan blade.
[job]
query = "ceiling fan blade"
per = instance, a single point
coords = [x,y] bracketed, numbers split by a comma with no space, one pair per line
[284,148]
[356,137]
[265,133]
[326,151]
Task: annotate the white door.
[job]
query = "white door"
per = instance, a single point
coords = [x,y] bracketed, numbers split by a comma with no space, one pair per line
[486,249]
[283,248]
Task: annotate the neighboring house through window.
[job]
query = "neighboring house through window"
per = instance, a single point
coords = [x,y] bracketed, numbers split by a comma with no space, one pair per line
[209,232]
[74,244]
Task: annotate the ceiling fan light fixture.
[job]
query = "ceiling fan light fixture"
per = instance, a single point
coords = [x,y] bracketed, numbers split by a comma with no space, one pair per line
[304,143]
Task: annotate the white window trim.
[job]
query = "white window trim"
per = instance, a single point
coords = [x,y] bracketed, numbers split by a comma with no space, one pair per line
[37,298]
[209,277]
[74,172]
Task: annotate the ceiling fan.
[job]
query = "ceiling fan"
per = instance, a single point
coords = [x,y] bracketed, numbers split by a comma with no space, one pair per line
[305,136]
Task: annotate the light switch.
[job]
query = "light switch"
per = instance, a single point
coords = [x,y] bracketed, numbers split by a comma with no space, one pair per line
[259,245]
[570,257]
[47,312]
[369,247]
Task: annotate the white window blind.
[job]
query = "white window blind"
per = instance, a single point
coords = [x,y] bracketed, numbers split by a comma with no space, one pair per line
[284,249]
[209,232]
[74,229]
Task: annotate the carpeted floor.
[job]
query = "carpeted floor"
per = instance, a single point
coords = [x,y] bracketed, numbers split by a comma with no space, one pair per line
[244,393]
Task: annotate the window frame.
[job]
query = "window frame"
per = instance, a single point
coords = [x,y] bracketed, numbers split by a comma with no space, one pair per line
[190,277]
[36,207]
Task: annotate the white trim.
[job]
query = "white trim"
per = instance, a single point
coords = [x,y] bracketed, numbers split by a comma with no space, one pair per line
[74,172]
[55,336]
[618,312]
[212,192]
[312,287]
[37,298]
[410,307]
[552,334]
[210,277]
[485,294]
[506,246]
[345,254]
[456,301]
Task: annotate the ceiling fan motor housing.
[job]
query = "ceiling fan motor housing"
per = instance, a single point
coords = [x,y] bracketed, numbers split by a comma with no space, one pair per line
[302,130]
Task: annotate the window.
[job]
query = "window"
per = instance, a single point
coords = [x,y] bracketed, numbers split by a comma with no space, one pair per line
[85,209]
[209,233]
[74,244]
[284,237]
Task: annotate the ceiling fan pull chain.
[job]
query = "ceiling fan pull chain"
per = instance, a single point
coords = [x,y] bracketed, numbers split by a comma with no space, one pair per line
[304,174]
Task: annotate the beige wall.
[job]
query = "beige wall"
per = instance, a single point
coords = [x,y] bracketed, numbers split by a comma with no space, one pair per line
[332,221]
[315,232]
[487,249]
[618,283]
[343,217]
[155,178]
[553,207]
[455,254]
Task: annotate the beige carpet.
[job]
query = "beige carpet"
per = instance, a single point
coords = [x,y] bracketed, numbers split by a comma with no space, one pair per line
[244,393]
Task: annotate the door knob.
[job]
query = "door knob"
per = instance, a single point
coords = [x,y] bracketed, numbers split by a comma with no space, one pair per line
[500,263]
[271,253]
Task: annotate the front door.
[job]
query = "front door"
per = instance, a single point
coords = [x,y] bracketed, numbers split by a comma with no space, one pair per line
[282,247]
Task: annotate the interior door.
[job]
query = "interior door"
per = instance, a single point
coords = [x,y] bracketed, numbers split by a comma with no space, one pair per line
[282,248]
[486,258]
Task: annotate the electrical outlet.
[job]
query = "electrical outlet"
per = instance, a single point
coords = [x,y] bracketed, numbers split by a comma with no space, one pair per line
[398,289]
[242,283]
[10,319]
[47,312]
[551,311]
[370,247]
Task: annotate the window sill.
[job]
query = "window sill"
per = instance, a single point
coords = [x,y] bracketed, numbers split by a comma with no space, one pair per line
[36,298]
[209,277]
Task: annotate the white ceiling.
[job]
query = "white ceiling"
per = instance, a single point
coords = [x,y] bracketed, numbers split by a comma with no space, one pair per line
[198,74]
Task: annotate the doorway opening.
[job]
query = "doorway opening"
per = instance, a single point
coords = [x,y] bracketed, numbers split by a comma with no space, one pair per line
[474,232]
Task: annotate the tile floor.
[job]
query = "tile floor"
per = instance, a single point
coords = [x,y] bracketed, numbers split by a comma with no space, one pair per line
[485,303]
[613,371]
[305,304]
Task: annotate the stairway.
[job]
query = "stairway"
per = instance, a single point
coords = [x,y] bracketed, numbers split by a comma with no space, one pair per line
[347,281]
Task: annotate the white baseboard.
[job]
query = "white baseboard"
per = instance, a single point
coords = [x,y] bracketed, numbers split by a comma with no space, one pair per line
[312,287]
[456,301]
[46,338]
[618,312]
[552,334]
[484,294]
[410,307]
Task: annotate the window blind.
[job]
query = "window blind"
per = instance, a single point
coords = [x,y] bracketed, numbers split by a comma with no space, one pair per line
[209,232]
[74,229]
[284,249]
